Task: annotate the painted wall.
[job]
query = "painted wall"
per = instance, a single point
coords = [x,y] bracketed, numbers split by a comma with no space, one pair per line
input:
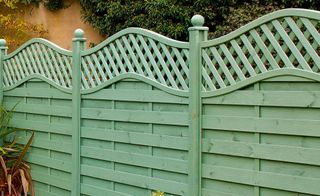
[62,23]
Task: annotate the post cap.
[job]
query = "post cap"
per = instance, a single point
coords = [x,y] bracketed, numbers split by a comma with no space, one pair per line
[78,33]
[3,43]
[197,20]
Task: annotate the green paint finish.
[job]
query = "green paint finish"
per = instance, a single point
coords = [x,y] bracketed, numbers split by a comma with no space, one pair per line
[237,115]
[280,40]
[78,44]
[288,139]
[3,53]
[136,138]
[197,34]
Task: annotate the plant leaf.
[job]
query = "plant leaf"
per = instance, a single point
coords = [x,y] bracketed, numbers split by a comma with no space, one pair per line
[29,179]
[9,183]
[4,167]
[23,153]
[24,182]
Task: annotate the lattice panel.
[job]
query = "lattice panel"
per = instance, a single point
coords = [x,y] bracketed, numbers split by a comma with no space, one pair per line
[38,59]
[142,55]
[287,42]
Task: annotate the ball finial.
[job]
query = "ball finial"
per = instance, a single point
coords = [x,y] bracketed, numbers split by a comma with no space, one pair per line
[197,20]
[3,43]
[78,33]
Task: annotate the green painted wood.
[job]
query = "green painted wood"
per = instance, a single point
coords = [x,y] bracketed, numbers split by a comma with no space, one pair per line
[64,129]
[280,40]
[263,125]
[54,181]
[123,140]
[91,190]
[282,98]
[35,109]
[38,92]
[170,118]
[135,159]
[263,179]
[157,140]
[78,44]
[130,95]
[287,131]
[127,117]
[136,180]
[3,51]
[263,151]
[197,34]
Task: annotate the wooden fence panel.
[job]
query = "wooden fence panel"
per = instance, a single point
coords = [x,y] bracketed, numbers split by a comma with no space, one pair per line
[133,146]
[47,111]
[258,142]
[236,115]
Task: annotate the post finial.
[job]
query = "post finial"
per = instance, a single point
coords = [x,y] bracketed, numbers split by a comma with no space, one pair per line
[3,43]
[78,33]
[197,20]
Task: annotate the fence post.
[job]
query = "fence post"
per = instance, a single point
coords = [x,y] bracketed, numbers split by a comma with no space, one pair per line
[78,44]
[3,53]
[197,34]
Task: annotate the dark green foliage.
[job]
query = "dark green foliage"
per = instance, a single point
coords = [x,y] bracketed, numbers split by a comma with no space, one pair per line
[53,5]
[242,15]
[172,17]
[168,17]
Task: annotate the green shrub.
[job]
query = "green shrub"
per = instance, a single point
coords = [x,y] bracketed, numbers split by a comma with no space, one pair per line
[172,17]
[53,5]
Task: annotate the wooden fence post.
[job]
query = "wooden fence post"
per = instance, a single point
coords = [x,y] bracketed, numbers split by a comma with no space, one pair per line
[78,44]
[3,53]
[197,33]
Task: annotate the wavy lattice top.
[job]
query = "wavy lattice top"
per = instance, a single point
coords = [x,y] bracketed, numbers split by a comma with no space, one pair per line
[284,39]
[138,51]
[38,57]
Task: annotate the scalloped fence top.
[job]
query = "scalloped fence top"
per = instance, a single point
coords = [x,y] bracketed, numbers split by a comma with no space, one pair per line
[286,39]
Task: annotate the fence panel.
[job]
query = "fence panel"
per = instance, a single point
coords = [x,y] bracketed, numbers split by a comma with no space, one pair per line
[133,140]
[47,111]
[259,108]
[236,115]
[262,139]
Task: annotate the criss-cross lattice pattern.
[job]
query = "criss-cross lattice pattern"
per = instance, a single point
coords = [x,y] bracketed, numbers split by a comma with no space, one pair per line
[38,59]
[142,55]
[287,42]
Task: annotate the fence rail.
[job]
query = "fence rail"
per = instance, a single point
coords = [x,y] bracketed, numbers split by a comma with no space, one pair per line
[237,115]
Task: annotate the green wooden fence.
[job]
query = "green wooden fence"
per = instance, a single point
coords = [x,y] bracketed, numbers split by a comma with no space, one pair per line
[237,115]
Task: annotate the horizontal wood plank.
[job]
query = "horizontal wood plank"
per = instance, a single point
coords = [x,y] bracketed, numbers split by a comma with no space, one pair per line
[141,160]
[301,127]
[171,118]
[58,128]
[96,190]
[263,179]
[49,162]
[306,99]
[49,93]
[263,151]
[51,180]
[147,139]
[154,96]
[135,180]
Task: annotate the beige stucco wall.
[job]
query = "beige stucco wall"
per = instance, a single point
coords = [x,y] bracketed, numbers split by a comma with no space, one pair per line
[62,23]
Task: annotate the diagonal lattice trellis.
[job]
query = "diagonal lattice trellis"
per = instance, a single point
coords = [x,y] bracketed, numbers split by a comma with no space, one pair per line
[139,54]
[287,42]
[38,59]
[284,42]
